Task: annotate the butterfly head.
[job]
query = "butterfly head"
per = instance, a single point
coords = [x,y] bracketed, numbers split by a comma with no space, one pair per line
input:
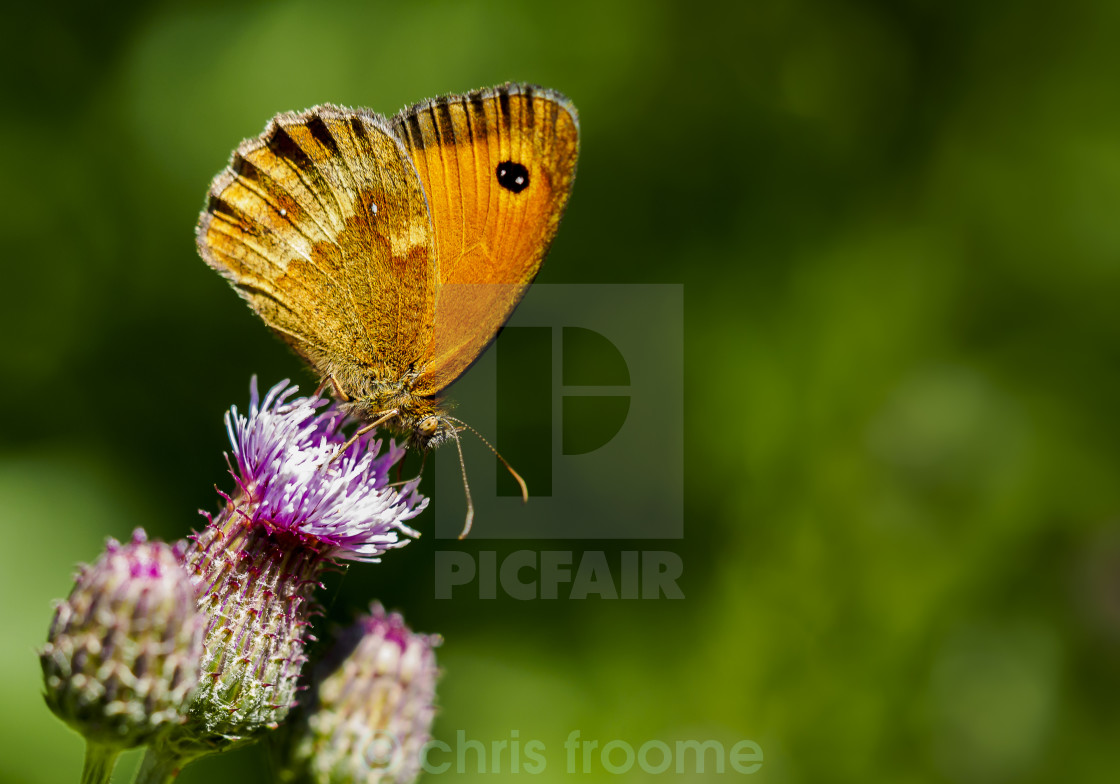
[430,431]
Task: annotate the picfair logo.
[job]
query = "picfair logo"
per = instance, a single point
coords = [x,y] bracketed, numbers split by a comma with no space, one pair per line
[583,394]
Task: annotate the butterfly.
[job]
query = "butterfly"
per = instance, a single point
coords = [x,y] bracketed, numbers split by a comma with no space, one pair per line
[389,252]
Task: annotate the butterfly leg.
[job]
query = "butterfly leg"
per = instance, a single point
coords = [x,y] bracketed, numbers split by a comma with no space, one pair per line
[338,393]
[383,417]
[420,473]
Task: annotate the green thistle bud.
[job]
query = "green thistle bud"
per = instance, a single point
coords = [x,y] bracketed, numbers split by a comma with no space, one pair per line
[368,720]
[256,597]
[124,650]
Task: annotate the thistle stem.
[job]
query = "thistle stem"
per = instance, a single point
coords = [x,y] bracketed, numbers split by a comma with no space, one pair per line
[158,767]
[100,761]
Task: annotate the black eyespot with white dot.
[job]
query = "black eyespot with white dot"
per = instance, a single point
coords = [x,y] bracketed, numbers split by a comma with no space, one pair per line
[513,176]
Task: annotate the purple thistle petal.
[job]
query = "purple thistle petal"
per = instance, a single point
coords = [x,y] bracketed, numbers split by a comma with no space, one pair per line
[283,451]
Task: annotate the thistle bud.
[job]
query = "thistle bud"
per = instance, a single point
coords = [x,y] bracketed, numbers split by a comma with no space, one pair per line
[124,649]
[368,720]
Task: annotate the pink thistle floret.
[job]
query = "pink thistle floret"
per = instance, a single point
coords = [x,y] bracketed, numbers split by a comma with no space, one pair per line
[283,451]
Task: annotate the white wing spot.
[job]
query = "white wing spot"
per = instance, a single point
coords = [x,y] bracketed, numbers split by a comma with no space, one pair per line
[283,213]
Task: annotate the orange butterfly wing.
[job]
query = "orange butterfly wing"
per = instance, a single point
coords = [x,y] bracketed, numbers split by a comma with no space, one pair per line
[389,252]
[321,224]
[497,167]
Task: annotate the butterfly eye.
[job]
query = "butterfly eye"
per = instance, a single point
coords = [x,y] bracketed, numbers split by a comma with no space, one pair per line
[427,426]
[513,176]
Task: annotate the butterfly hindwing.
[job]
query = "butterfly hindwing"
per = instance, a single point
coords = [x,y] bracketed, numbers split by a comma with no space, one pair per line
[321,224]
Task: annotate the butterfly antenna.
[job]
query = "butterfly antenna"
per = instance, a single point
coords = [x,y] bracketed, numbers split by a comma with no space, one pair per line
[517,476]
[466,488]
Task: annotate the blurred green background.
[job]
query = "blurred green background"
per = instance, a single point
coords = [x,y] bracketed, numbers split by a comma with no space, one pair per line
[895,223]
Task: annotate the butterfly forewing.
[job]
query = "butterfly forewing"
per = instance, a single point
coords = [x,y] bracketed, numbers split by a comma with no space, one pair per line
[322,226]
[497,167]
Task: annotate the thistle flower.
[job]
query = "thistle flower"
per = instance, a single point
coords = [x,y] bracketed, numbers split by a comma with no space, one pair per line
[257,563]
[341,508]
[368,720]
[124,649]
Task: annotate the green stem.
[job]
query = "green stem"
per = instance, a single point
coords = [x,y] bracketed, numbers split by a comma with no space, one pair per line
[100,761]
[158,767]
